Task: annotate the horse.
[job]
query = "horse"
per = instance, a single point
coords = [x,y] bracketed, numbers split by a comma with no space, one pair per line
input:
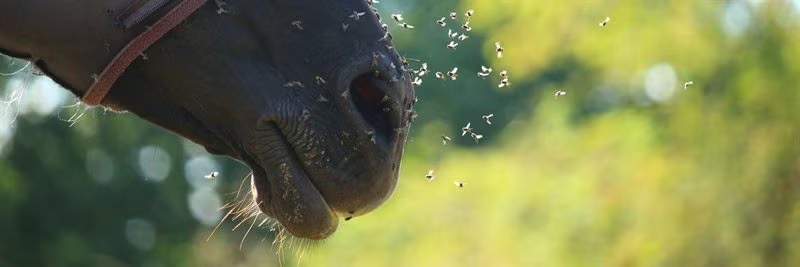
[310,94]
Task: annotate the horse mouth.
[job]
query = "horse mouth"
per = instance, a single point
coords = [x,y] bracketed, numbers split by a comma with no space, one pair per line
[283,190]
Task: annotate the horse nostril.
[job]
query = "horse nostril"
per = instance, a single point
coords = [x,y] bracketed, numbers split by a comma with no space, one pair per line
[373,104]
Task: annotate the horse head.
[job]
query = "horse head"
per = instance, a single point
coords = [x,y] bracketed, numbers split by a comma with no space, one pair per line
[310,94]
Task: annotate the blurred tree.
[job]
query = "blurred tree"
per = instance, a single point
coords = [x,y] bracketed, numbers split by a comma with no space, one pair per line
[629,168]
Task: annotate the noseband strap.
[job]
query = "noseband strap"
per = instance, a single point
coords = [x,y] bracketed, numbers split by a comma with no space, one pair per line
[103,82]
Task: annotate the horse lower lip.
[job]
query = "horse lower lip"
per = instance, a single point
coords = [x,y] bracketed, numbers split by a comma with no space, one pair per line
[292,198]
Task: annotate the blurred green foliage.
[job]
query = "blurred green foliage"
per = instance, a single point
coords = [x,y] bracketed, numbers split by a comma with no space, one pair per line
[607,175]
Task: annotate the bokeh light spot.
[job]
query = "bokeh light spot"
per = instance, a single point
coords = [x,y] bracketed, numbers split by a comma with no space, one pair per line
[99,165]
[6,132]
[42,97]
[140,234]
[196,170]
[154,163]
[660,82]
[205,203]
[735,18]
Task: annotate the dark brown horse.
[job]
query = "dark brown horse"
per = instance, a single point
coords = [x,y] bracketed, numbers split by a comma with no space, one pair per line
[308,93]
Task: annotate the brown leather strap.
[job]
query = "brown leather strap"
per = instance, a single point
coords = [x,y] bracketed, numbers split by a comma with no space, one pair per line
[103,82]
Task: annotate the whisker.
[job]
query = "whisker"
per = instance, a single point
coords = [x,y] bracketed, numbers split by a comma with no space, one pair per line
[249,215]
[255,217]
[264,221]
[239,208]
[77,116]
[245,211]
[301,250]
[15,98]
[280,241]
[220,223]
[237,204]
[239,191]
[17,71]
